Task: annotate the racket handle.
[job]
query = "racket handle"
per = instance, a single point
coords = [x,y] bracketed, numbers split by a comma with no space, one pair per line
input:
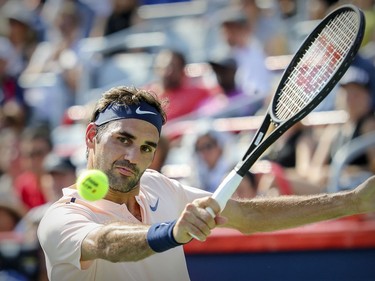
[224,192]
[208,209]
[226,189]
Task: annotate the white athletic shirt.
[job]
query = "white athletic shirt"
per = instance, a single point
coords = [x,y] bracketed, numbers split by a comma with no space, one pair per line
[70,219]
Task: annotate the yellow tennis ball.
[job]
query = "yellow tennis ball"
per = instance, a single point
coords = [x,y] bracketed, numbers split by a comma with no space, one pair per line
[92,185]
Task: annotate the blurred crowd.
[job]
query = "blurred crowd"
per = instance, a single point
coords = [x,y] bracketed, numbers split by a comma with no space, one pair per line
[216,61]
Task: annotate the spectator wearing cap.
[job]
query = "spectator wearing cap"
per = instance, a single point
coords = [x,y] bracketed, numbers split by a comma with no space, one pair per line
[60,172]
[354,96]
[252,76]
[368,66]
[234,102]
[225,71]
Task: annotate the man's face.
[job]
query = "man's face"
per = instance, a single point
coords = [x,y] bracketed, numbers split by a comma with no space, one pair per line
[234,34]
[170,70]
[124,151]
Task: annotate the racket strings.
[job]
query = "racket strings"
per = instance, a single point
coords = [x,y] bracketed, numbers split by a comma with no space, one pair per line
[317,65]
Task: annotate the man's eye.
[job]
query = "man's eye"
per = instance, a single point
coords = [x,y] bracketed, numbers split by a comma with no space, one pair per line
[124,140]
[147,148]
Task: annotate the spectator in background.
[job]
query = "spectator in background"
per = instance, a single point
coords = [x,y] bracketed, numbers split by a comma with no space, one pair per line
[11,207]
[234,102]
[10,216]
[59,172]
[211,164]
[10,166]
[213,161]
[58,56]
[356,99]
[13,108]
[10,89]
[367,6]
[122,17]
[282,167]
[318,9]
[35,146]
[225,71]
[369,67]
[21,33]
[267,26]
[252,76]
[184,95]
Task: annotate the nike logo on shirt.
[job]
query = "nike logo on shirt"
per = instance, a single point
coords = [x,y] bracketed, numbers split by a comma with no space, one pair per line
[154,208]
[140,111]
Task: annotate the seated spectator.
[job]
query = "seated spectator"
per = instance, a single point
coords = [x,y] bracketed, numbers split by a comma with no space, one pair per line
[58,57]
[355,97]
[234,102]
[10,216]
[10,90]
[59,172]
[13,108]
[10,166]
[212,165]
[21,32]
[212,160]
[267,27]
[252,76]
[35,146]
[282,167]
[184,96]
[123,16]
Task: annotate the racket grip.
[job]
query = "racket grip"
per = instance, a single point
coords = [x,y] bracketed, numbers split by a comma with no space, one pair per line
[226,189]
[224,192]
[208,209]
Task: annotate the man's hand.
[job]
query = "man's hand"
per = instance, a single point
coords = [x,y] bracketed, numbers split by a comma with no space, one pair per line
[365,196]
[195,219]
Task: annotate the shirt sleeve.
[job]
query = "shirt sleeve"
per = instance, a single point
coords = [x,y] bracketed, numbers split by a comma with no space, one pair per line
[62,231]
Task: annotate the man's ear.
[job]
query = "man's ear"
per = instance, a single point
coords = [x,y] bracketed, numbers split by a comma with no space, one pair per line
[90,135]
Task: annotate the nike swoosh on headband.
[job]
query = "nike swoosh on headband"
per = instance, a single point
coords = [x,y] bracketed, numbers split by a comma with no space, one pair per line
[140,111]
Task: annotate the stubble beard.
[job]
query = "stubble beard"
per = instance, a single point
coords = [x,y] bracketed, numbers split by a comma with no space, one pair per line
[121,183]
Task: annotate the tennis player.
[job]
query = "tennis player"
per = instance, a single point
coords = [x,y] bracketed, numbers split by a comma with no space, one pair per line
[136,231]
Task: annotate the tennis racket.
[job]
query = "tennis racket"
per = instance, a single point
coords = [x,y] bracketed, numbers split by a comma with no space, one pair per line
[315,69]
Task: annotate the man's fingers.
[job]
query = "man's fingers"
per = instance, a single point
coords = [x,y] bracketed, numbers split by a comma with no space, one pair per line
[200,219]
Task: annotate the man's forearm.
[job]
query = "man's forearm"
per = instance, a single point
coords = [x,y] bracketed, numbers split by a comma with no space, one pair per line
[269,214]
[117,242]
